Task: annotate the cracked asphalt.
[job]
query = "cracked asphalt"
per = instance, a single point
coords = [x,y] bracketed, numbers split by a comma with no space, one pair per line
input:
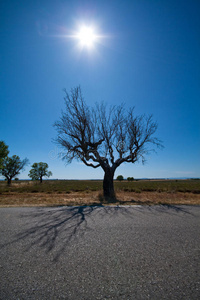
[96,252]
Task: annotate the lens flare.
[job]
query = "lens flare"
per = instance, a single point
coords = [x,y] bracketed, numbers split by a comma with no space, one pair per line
[86,36]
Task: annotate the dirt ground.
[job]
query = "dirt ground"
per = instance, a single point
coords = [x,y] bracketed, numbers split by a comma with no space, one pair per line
[96,198]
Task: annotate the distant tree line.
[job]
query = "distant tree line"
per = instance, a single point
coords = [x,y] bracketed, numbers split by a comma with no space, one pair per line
[121,177]
[10,167]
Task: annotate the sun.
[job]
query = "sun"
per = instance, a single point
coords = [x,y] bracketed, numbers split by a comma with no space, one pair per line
[87,36]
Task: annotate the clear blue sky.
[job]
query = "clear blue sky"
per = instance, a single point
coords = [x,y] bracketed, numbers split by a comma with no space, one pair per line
[148,56]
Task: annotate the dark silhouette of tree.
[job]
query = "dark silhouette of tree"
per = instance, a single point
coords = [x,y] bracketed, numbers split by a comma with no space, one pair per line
[3,152]
[39,170]
[12,166]
[104,137]
[130,178]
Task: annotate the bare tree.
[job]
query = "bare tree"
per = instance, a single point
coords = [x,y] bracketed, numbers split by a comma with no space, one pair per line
[104,137]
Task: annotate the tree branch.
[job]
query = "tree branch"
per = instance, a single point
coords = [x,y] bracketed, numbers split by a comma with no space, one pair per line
[97,134]
[90,164]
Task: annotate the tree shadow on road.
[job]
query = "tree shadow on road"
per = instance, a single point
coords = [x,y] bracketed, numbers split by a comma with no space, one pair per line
[52,229]
[164,208]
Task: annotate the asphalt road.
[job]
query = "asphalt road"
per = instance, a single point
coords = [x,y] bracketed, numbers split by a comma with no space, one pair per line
[100,253]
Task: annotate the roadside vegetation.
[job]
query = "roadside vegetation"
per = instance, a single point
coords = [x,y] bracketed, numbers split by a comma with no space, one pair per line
[88,192]
[68,186]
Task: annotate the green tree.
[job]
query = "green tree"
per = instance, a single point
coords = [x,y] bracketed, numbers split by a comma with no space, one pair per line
[3,152]
[130,178]
[120,178]
[12,166]
[104,137]
[39,170]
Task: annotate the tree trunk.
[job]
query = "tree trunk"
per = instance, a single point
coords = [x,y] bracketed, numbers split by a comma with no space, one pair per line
[9,181]
[108,186]
[40,179]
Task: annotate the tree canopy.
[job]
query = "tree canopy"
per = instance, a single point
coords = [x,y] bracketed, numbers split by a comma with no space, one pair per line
[39,170]
[102,136]
[12,166]
[120,177]
[130,178]
[3,152]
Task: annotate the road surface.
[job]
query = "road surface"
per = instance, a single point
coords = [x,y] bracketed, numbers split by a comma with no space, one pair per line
[141,252]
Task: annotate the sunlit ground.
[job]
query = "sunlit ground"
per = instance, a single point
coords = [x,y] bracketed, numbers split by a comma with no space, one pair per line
[86,192]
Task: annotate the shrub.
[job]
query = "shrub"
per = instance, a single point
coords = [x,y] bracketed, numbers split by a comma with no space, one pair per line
[130,178]
[120,178]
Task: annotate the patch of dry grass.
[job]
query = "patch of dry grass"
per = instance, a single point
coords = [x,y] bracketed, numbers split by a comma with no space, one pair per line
[95,198]
[89,192]
[152,198]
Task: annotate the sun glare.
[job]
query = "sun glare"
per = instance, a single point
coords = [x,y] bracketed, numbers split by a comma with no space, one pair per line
[86,36]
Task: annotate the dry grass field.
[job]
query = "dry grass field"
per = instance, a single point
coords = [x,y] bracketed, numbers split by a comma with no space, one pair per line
[89,192]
